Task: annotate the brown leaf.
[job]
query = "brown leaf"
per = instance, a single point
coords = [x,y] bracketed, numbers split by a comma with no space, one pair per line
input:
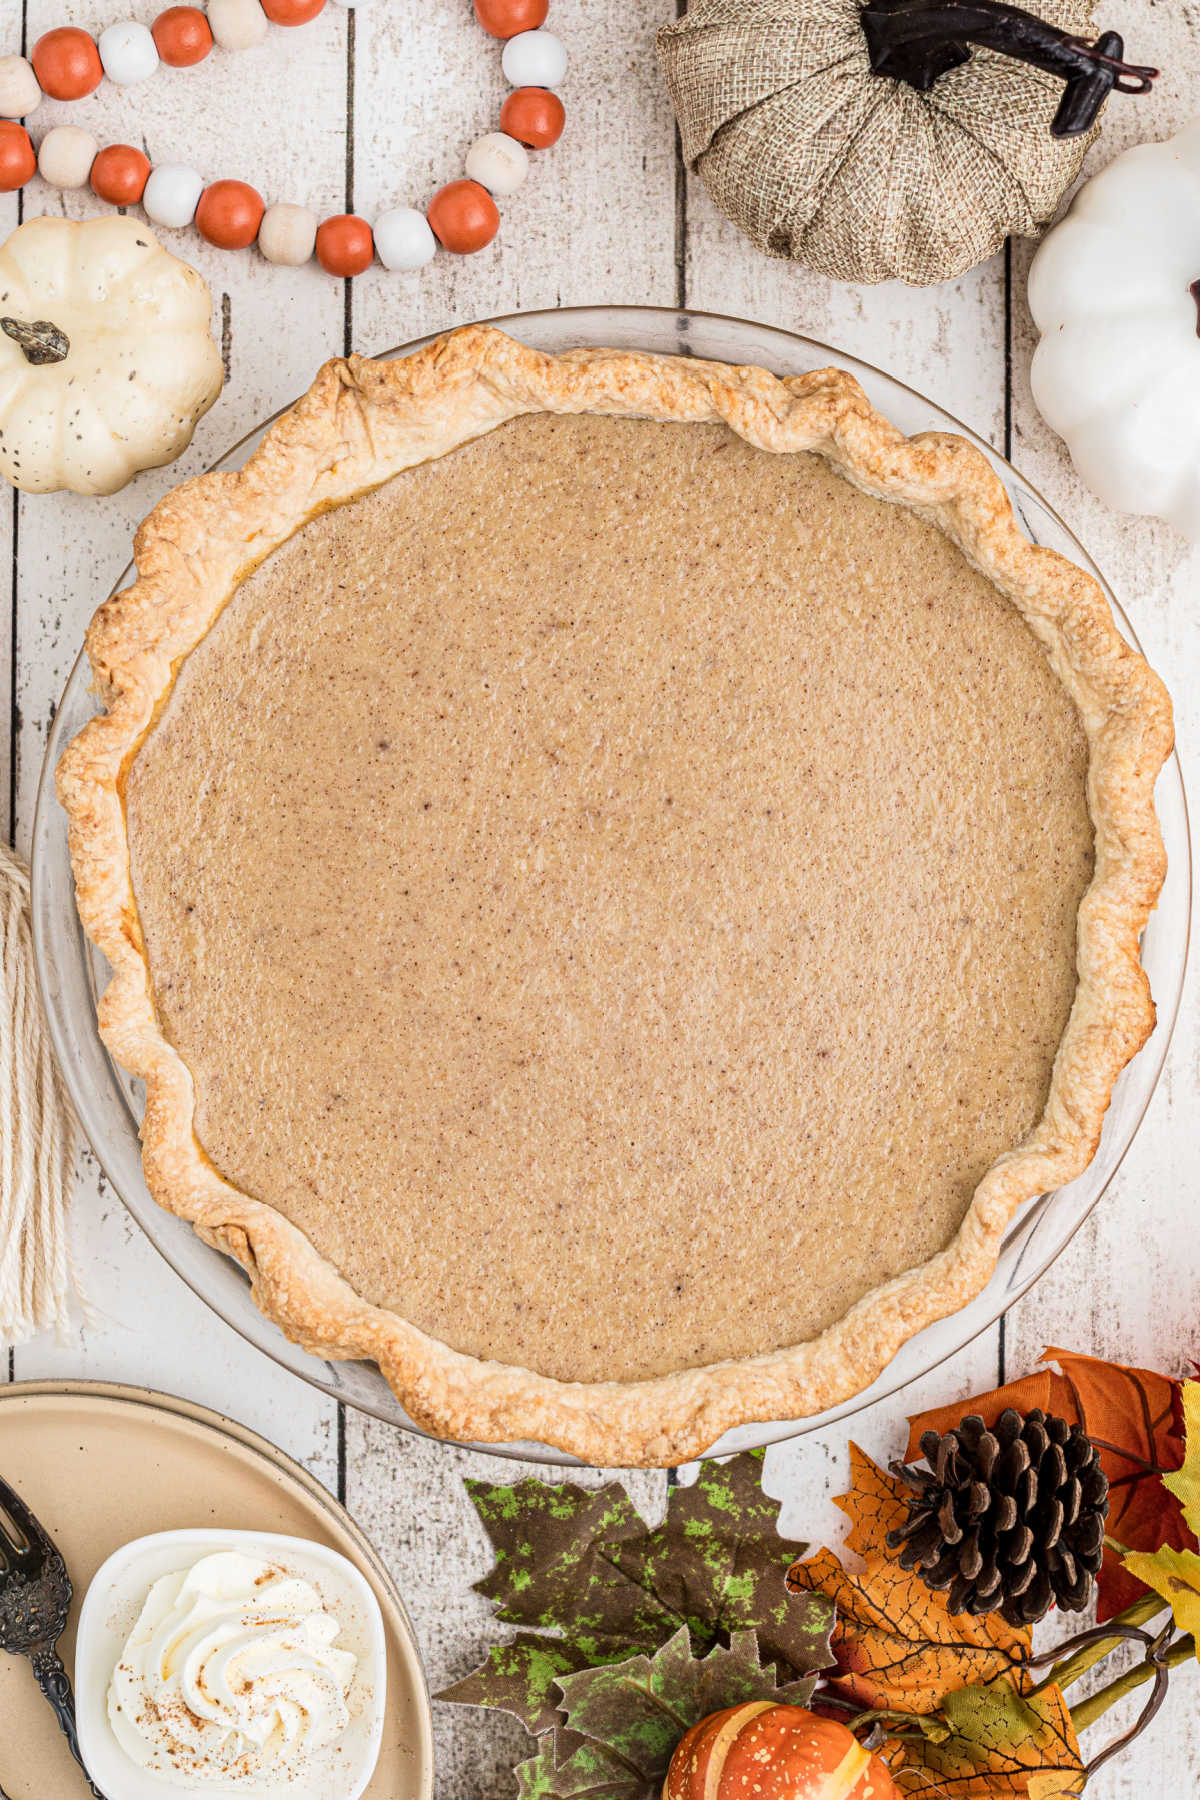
[1133,1417]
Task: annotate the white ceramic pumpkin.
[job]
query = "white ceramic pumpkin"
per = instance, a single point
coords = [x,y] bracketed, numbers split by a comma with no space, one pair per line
[106,354]
[1115,292]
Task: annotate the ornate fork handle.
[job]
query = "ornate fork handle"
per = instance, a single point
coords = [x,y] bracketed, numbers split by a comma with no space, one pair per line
[55,1683]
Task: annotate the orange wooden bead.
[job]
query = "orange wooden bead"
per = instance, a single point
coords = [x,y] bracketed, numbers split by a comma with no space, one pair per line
[18,159]
[463,216]
[344,245]
[292,12]
[505,18]
[534,116]
[119,174]
[229,214]
[67,63]
[182,36]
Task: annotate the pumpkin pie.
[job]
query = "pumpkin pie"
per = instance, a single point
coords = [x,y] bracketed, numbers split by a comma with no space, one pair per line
[621,874]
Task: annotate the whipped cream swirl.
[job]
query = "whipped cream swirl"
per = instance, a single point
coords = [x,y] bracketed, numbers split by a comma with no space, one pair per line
[230,1676]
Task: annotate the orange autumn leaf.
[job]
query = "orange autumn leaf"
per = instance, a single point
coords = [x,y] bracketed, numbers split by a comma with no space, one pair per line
[1132,1416]
[982,1734]
[876,1504]
[1001,1745]
[895,1641]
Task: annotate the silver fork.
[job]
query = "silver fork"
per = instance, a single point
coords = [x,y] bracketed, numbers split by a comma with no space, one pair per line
[35,1598]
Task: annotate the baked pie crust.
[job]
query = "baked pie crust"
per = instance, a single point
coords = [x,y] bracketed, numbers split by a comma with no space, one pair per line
[363,422]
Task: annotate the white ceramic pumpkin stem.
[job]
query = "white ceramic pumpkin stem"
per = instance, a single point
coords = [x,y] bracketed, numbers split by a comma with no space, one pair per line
[40,341]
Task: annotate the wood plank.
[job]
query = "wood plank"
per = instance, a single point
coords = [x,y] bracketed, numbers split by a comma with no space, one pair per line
[1126,1286]
[595,220]
[946,342]
[227,117]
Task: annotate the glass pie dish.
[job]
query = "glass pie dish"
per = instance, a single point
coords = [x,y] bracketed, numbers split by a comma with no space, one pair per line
[109,1102]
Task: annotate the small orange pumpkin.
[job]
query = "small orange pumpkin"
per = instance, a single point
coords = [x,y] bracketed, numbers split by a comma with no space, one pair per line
[762,1751]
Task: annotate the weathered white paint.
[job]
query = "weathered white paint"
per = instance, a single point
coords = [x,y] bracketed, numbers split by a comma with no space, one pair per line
[603,217]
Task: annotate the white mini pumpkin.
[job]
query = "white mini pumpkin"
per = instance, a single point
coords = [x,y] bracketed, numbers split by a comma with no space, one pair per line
[106,354]
[1115,292]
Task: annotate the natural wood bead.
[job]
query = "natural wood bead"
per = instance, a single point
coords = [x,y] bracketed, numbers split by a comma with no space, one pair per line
[498,163]
[237,24]
[287,234]
[66,156]
[464,217]
[229,214]
[504,18]
[20,91]
[120,173]
[534,116]
[292,12]
[183,36]
[345,245]
[67,63]
[18,162]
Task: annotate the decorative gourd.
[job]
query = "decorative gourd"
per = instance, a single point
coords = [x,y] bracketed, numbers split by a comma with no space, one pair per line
[872,141]
[771,1752]
[1115,292]
[106,355]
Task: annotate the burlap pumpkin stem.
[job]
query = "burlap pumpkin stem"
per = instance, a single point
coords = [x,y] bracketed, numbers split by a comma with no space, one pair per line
[833,151]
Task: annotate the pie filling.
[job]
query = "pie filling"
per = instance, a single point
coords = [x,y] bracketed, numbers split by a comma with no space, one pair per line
[615,890]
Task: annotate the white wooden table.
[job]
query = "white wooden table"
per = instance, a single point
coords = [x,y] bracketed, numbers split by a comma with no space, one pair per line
[361,114]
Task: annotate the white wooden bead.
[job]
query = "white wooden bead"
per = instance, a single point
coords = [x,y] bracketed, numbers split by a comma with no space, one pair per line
[19,89]
[534,59]
[404,239]
[498,163]
[66,156]
[128,52]
[172,195]
[287,234]
[237,24]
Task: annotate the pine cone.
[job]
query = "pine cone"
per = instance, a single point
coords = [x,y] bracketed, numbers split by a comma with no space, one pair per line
[1008,1520]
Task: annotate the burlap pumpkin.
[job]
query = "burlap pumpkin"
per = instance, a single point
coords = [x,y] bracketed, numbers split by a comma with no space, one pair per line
[819,159]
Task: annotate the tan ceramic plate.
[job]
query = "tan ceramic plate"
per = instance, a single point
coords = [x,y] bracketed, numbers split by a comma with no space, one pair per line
[102,1464]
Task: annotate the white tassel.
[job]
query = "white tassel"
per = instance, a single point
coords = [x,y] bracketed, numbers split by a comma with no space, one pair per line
[37,1134]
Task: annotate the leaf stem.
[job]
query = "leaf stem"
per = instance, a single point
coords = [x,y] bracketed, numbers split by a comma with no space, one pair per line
[1078,1661]
[1088,1711]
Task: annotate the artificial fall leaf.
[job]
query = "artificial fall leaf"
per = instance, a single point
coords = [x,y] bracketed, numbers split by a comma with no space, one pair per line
[582,1564]
[1175,1574]
[1133,1418]
[1000,1743]
[983,1736]
[1185,1485]
[626,1719]
[875,1504]
[896,1642]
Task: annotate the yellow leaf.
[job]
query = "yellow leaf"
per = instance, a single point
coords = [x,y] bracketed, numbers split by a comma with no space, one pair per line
[1175,1574]
[1185,1485]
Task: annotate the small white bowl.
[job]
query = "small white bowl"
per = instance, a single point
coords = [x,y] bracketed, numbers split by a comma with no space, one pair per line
[110,1610]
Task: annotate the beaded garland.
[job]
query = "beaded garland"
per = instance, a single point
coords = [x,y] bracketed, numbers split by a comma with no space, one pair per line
[68,63]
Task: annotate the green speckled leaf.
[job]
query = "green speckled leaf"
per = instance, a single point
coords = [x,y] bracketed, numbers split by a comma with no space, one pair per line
[629,1717]
[522,1678]
[591,1585]
[583,1562]
[641,1707]
[590,1773]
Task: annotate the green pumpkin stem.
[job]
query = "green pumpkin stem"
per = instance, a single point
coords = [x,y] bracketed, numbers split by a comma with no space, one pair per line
[920,40]
[40,341]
